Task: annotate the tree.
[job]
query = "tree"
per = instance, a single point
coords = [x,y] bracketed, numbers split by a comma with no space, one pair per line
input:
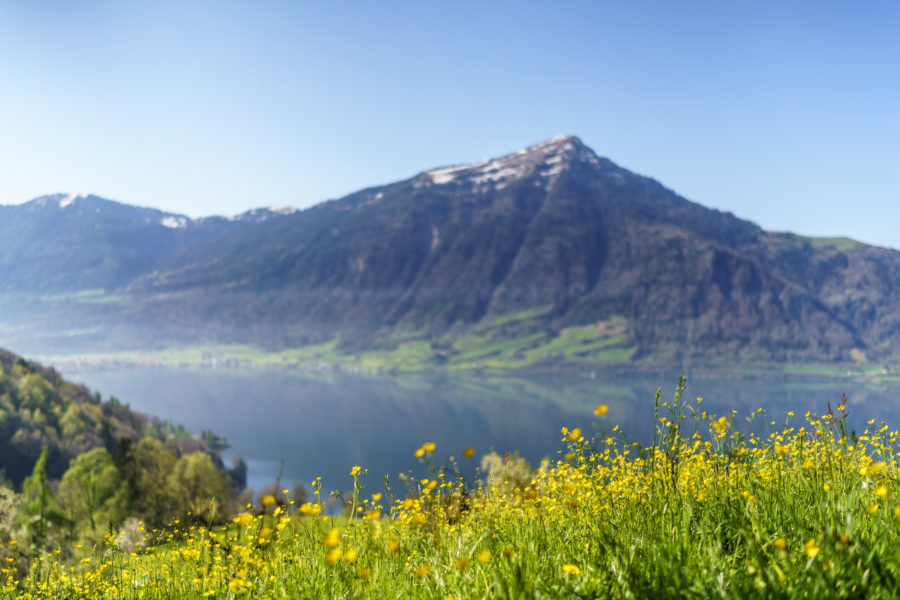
[199,486]
[39,509]
[151,464]
[92,492]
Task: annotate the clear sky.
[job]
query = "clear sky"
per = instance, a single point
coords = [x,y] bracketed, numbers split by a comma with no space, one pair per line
[785,113]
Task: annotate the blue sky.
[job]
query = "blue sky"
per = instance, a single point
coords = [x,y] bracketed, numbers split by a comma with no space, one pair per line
[785,113]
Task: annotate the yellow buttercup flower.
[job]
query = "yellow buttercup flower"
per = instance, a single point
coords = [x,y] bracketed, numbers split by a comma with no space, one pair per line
[875,468]
[601,410]
[468,452]
[571,569]
[720,425]
[811,548]
[243,518]
[332,538]
[311,509]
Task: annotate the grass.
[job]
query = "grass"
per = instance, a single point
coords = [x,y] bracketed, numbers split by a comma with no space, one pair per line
[601,343]
[809,510]
[523,315]
[840,243]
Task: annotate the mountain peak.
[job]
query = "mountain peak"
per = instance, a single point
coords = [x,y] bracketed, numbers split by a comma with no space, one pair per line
[58,200]
[547,159]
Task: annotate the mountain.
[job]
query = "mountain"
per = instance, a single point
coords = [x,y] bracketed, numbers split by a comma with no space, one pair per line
[550,252]
[63,242]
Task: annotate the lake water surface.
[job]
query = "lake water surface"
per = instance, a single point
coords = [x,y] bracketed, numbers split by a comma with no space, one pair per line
[323,424]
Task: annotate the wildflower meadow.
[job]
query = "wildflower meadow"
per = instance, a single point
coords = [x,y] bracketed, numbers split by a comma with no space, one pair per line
[705,509]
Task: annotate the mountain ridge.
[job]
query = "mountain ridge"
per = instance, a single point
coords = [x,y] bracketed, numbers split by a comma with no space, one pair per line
[553,231]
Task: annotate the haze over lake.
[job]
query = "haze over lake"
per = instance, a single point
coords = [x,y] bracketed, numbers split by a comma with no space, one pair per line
[322,424]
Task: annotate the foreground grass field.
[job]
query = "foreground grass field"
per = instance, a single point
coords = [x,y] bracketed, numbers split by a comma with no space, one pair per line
[809,510]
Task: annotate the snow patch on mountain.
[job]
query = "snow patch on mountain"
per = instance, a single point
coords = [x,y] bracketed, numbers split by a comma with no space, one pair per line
[548,159]
[69,200]
[173,222]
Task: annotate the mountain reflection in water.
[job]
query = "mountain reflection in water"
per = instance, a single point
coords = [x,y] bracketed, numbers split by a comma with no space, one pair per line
[323,424]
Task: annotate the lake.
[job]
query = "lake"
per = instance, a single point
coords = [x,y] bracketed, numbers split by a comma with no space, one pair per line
[322,424]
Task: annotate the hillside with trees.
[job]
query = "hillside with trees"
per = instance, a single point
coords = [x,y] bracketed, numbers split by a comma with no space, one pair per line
[75,467]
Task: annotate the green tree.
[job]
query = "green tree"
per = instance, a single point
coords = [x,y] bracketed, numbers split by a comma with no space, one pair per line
[93,493]
[39,509]
[151,463]
[198,485]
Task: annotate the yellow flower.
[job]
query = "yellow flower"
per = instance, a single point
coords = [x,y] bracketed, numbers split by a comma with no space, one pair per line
[428,446]
[423,570]
[720,425]
[310,509]
[780,543]
[332,538]
[462,563]
[333,555]
[875,468]
[393,545]
[243,518]
[483,557]
[365,573]
[354,471]
[881,491]
[509,552]
[420,453]
[268,500]
[827,487]
[575,434]
[350,555]
[872,509]
[571,569]
[601,409]
[376,496]
[812,549]
[468,452]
